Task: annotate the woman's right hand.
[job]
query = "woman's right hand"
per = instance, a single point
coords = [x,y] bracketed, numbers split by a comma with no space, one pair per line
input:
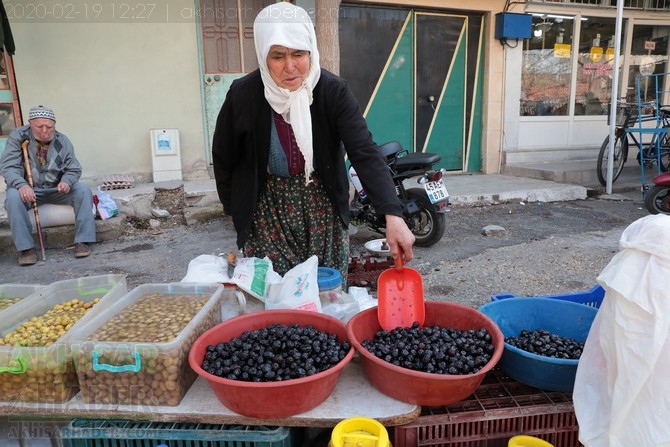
[400,240]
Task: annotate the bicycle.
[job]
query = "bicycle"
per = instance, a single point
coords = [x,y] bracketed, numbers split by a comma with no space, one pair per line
[625,119]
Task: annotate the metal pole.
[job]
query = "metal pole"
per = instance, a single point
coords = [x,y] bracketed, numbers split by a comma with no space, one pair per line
[615,95]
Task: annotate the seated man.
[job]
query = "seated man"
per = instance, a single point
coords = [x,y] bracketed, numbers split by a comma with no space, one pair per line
[55,176]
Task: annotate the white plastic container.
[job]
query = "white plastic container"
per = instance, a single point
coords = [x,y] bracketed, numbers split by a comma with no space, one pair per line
[46,374]
[11,294]
[135,351]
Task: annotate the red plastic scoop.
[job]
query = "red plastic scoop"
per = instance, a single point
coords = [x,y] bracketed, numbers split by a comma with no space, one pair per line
[400,299]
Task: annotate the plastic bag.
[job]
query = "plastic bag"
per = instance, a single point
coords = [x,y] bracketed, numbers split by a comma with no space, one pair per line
[621,387]
[254,275]
[207,269]
[343,309]
[105,205]
[298,289]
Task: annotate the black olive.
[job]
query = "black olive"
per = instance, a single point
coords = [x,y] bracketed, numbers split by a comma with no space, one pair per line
[545,343]
[433,349]
[276,352]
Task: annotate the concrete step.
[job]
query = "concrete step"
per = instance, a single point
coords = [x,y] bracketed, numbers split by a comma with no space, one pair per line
[201,203]
[583,173]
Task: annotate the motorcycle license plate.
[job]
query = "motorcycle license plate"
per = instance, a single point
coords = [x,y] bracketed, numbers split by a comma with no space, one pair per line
[436,191]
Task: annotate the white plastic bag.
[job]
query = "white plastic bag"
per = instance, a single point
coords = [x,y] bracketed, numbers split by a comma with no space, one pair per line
[254,275]
[622,391]
[342,309]
[106,205]
[207,269]
[362,297]
[298,289]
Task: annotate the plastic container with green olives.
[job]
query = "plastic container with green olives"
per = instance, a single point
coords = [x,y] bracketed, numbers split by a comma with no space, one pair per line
[135,352]
[35,356]
[11,294]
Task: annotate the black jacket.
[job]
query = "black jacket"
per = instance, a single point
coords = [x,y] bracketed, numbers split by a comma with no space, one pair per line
[241,143]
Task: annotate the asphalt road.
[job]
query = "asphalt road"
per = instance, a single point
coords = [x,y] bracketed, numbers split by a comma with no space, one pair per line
[545,249]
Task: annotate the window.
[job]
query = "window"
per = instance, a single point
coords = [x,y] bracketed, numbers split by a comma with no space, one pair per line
[595,61]
[547,66]
[649,56]
[227,34]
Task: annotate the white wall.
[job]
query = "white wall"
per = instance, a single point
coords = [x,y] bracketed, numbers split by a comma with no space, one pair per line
[109,83]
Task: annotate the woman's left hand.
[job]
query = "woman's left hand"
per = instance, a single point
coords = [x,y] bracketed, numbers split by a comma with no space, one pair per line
[399,238]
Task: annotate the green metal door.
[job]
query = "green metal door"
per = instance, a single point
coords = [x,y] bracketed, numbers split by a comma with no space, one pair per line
[417,76]
[227,49]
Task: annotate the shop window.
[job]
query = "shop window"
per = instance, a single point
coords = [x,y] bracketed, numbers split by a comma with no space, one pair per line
[650,5]
[594,69]
[547,66]
[649,56]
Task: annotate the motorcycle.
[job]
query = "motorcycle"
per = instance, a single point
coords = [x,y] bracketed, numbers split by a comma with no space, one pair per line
[424,205]
[657,198]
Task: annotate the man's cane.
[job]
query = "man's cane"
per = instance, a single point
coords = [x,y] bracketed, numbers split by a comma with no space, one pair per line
[24,149]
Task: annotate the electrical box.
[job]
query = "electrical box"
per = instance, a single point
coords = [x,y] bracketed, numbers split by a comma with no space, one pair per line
[512,25]
[165,154]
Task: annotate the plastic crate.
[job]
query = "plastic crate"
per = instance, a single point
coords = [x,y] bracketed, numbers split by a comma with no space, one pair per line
[113,433]
[498,410]
[593,297]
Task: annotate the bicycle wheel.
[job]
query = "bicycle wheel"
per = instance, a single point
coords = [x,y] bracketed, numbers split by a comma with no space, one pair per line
[620,156]
[650,154]
[665,153]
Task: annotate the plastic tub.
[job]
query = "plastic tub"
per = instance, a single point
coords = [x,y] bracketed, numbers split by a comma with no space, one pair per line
[11,294]
[359,432]
[560,317]
[418,387]
[46,374]
[527,441]
[136,350]
[271,399]
[593,297]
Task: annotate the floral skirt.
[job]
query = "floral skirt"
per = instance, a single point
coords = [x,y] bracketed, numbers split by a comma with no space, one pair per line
[293,222]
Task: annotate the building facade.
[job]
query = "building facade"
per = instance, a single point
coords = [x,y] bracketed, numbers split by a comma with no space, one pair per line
[558,83]
[428,73]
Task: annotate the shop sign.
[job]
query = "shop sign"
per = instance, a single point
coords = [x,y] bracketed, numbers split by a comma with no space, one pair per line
[596,54]
[597,69]
[562,50]
[650,45]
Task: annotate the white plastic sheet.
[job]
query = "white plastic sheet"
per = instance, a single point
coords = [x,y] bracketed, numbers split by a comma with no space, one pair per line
[622,388]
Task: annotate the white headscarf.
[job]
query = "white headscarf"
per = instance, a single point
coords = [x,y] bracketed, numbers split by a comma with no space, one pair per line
[289,26]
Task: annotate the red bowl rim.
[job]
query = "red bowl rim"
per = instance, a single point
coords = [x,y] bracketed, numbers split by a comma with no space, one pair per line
[195,364]
[493,361]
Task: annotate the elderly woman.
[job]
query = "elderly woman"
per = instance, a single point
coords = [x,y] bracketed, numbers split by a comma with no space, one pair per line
[278,153]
